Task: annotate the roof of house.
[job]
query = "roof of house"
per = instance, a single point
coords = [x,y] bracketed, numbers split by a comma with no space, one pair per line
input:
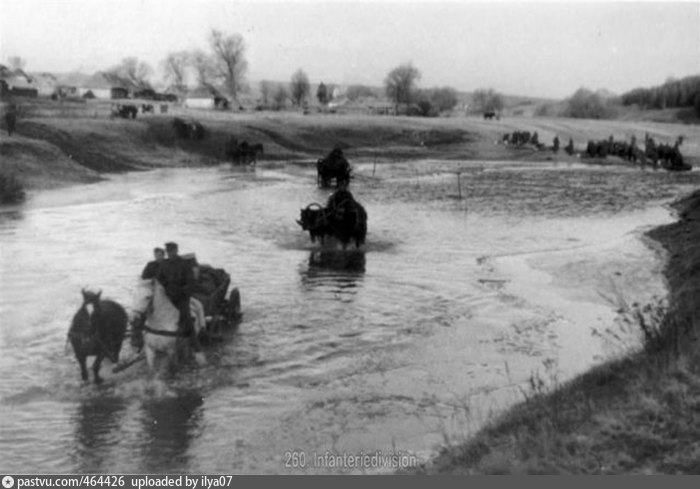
[204,91]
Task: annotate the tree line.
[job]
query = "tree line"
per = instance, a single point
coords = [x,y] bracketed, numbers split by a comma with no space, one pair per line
[672,94]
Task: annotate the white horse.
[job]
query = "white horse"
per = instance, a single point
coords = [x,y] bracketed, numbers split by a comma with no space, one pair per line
[161,330]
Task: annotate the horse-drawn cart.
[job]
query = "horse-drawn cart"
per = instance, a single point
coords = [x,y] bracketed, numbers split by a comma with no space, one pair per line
[214,310]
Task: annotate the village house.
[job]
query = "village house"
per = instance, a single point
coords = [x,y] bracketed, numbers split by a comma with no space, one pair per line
[205,97]
[16,83]
[103,86]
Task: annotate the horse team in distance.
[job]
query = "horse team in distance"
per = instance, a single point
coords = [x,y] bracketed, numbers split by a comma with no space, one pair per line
[663,155]
[125,111]
[333,167]
[242,153]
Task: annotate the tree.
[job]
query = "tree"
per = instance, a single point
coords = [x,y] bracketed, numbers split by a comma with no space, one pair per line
[281,96]
[322,94]
[229,60]
[585,104]
[175,68]
[487,100]
[300,87]
[443,99]
[202,65]
[134,72]
[400,84]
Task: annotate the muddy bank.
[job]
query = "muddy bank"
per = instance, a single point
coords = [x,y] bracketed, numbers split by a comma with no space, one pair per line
[637,415]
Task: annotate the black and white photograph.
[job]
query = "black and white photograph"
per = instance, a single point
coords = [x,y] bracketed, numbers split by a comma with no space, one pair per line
[348,237]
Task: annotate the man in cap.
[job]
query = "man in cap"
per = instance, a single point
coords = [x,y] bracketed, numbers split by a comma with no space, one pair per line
[152,267]
[176,276]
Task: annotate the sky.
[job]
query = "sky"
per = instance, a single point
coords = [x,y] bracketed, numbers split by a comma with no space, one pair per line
[543,49]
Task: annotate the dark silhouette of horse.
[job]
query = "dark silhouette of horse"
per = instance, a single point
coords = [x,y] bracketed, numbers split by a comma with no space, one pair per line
[243,153]
[125,111]
[188,129]
[195,130]
[98,333]
[490,114]
[11,122]
[343,218]
[333,166]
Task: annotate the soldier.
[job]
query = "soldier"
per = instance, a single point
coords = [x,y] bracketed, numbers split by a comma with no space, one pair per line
[176,276]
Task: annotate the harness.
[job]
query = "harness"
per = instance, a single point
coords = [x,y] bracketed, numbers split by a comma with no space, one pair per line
[165,333]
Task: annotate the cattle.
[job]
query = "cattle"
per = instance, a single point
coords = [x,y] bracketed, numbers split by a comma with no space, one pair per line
[490,114]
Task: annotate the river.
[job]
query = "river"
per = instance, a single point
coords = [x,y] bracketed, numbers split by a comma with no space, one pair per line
[465,291]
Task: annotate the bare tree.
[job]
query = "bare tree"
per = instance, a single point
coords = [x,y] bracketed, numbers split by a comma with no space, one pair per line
[487,100]
[134,72]
[202,65]
[400,83]
[175,67]
[300,87]
[229,60]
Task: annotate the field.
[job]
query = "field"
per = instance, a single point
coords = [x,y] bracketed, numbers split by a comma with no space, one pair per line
[637,415]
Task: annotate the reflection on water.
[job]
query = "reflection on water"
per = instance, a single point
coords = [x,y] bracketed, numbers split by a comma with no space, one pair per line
[345,350]
[340,271]
[98,423]
[169,424]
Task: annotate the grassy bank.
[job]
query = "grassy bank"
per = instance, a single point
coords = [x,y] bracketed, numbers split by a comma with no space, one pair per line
[638,415]
[62,143]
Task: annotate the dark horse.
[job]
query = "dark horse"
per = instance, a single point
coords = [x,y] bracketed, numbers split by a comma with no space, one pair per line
[11,122]
[243,153]
[98,333]
[188,130]
[333,166]
[343,218]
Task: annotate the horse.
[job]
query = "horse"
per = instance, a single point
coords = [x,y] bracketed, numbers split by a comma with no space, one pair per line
[242,153]
[11,122]
[314,220]
[195,130]
[333,166]
[180,128]
[161,329]
[343,218]
[98,333]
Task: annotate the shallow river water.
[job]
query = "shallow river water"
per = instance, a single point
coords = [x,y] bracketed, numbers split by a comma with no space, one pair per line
[438,323]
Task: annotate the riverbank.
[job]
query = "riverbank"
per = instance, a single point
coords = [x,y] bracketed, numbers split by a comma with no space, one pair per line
[59,144]
[637,415]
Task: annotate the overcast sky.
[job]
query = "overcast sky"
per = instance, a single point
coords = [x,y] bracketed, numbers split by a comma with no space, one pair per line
[546,49]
